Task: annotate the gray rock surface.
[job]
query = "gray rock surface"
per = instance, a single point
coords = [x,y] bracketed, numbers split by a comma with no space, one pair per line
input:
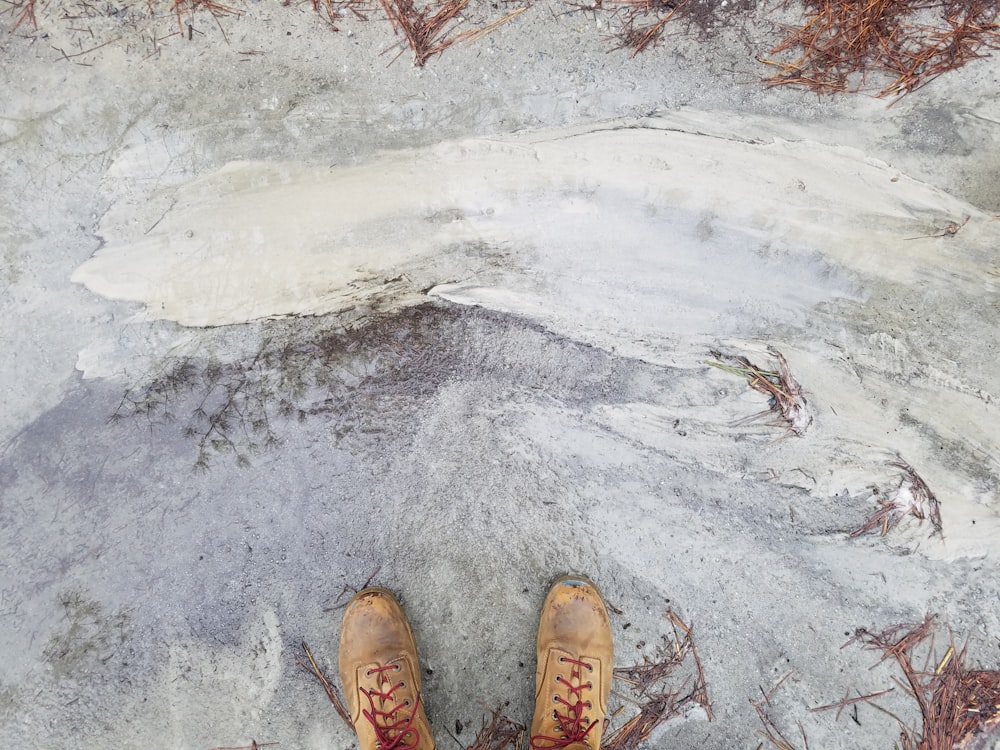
[181,506]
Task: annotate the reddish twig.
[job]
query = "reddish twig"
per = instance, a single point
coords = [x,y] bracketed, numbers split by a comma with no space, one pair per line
[310,666]
[27,14]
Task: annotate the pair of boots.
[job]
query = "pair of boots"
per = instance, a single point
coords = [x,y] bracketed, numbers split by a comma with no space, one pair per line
[381,676]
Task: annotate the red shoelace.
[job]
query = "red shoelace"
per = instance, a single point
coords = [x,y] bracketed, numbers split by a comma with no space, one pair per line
[393,725]
[571,724]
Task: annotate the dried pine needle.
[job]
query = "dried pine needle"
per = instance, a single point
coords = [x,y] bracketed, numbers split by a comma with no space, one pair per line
[309,665]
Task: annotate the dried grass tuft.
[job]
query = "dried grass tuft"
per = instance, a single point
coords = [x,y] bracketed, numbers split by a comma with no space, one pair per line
[787,400]
[912,498]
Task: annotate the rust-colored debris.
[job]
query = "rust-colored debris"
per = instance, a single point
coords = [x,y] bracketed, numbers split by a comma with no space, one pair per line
[472,35]
[957,704]
[25,12]
[428,29]
[333,10]
[642,23]
[787,400]
[960,707]
[498,732]
[912,498]
[901,44]
[654,690]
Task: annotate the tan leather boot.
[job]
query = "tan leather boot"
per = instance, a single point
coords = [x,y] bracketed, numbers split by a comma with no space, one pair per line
[381,675]
[575,662]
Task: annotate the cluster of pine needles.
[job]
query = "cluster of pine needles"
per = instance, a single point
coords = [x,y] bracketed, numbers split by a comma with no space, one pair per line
[901,44]
[890,47]
[428,29]
[642,24]
[663,687]
[959,706]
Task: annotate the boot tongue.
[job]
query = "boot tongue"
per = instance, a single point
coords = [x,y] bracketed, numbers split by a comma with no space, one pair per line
[577,746]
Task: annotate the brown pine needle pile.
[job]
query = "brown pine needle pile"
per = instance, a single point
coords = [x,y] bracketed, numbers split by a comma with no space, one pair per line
[333,10]
[960,707]
[642,23]
[900,44]
[25,13]
[957,704]
[655,691]
[189,7]
[428,29]
[498,732]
